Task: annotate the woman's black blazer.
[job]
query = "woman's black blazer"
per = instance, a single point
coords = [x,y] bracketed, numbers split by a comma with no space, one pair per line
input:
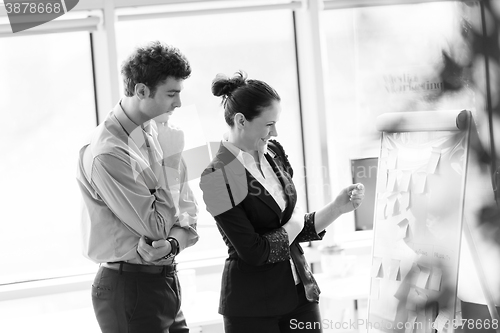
[257,279]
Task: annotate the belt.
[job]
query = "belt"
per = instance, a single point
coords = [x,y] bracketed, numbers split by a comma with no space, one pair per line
[137,268]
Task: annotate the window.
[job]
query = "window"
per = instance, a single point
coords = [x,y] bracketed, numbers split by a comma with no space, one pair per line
[48,110]
[260,43]
[386,59]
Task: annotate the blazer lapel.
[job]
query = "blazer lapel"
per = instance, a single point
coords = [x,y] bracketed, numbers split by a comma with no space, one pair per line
[288,187]
[224,157]
[255,188]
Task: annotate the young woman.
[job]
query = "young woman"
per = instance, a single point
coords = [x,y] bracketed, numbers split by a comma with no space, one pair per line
[267,285]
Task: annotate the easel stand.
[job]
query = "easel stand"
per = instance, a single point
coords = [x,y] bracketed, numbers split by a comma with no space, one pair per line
[418,222]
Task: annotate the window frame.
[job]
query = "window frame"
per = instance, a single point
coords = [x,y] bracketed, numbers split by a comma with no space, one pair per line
[106,87]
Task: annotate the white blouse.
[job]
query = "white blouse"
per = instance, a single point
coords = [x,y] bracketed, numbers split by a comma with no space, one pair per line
[267,178]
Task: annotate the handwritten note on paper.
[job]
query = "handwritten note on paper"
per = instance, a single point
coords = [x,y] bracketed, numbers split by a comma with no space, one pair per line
[377,269]
[435,279]
[434,160]
[423,277]
[442,254]
[425,250]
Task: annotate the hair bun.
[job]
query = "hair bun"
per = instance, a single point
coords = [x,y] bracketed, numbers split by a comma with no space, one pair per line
[222,85]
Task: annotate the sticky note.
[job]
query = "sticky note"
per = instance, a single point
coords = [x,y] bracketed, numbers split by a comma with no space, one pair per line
[403,232]
[434,160]
[430,317]
[423,277]
[416,299]
[392,159]
[391,202]
[435,279]
[404,201]
[375,289]
[382,181]
[419,180]
[394,270]
[381,209]
[391,180]
[422,299]
[414,273]
[404,183]
[377,269]
[412,316]
[411,301]
[441,320]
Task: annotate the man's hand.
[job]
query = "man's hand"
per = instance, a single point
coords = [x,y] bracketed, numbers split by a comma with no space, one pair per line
[154,252]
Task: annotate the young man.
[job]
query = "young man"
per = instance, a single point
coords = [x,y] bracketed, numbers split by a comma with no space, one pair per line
[140,211]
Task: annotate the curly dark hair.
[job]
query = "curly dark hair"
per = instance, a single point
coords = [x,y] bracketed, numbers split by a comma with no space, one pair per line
[242,95]
[151,65]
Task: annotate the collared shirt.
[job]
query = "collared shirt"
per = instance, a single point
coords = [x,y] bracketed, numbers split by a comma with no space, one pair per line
[128,193]
[267,178]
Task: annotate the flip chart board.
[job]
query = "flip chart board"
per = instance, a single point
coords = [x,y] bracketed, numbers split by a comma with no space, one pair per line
[418,220]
